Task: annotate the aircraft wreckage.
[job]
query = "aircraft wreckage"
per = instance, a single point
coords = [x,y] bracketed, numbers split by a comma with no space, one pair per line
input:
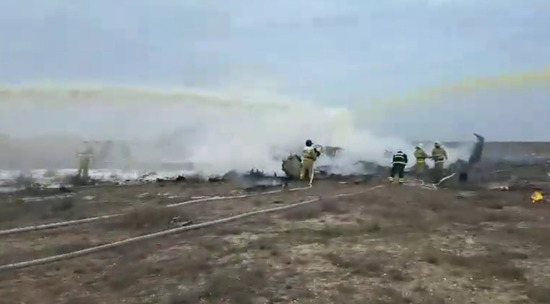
[463,172]
[291,165]
[458,172]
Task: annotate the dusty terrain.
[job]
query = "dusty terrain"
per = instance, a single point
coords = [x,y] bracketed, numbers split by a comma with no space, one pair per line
[394,244]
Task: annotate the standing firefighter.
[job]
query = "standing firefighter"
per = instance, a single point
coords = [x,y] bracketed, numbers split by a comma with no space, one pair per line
[309,156]
[399,161]
[84,158]
[420,166]
[439,156]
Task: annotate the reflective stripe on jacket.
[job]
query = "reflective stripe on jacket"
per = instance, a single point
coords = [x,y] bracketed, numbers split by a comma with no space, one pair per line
[399,159]
[420,156]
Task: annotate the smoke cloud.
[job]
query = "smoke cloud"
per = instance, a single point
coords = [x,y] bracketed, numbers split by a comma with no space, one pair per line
[215,131]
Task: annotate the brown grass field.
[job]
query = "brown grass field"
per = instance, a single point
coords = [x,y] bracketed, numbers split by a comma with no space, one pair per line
[394,245]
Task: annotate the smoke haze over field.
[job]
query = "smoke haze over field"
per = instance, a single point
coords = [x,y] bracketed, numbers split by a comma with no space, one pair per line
[238,135]
[104,70]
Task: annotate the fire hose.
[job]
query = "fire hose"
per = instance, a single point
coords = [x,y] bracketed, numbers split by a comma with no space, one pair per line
[95,249]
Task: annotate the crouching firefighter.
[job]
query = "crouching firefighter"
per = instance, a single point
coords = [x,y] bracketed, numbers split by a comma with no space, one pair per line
[309,156]
[399,161]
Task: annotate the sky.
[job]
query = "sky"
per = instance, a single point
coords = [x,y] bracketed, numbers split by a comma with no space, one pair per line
[346,53]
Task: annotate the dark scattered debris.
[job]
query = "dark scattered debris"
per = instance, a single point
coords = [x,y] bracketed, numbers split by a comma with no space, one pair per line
[177,179]
[64,189]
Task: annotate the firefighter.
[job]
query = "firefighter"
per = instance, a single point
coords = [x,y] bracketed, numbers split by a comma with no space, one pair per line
[439,156]
[85,157]
[399,161]
[420,166]
[309,156]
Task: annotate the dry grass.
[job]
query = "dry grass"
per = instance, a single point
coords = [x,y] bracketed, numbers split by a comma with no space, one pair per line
[401,246]
[63,208]
[366,264]
[126,275]
[314,210]
[234,285]
[22,254]
[304,212]
[387,295]
[82,300]
[538,294]
[499,265]
[151,217]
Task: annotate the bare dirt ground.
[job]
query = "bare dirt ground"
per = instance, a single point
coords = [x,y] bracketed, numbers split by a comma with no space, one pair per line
[395,244]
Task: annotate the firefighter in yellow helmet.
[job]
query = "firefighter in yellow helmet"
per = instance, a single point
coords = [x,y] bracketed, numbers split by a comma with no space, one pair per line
[439,156]
[420,167]
[309,156]
[85,156]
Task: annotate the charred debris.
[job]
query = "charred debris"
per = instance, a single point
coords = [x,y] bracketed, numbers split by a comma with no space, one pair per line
[475,172]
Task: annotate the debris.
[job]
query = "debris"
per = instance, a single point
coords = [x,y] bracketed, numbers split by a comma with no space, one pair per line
[477,152]
[231,176]
[177,221]
[88,197]
[146,175]
[178,178]
[537,196]
[142,195]
[256,173]
[291,166]
[463,177]
[331,151]
[498,186]
[64,189]
[215,179]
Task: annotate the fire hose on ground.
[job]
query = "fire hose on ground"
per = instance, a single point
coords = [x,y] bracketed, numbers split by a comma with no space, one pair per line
[95,249]
[111,216]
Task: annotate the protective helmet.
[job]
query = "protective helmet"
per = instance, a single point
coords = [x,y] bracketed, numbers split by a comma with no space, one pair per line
[437,144]
[419,146]
[309,143]
[400,152]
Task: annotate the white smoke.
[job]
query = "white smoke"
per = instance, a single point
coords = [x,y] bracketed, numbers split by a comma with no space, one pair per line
[216,131]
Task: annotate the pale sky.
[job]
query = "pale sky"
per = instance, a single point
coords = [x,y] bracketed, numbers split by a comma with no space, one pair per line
[344,52]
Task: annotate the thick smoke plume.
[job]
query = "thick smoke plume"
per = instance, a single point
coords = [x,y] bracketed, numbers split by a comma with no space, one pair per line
[214,131]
